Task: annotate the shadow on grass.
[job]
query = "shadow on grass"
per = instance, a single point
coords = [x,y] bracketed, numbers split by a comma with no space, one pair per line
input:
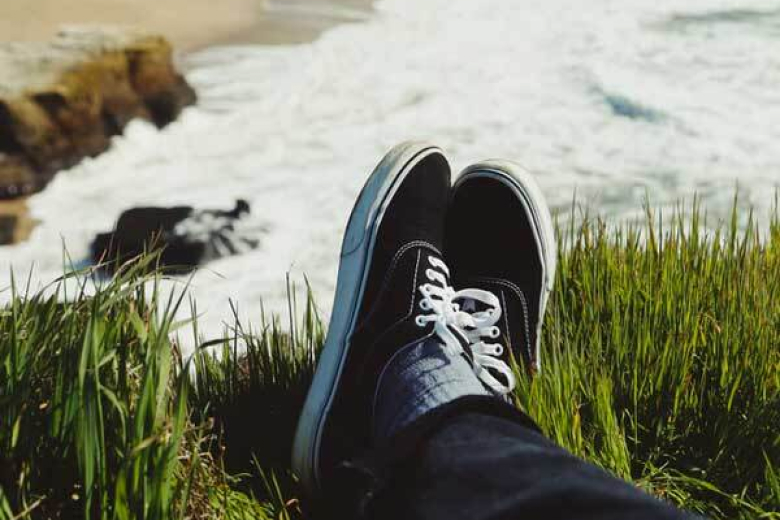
[253,387]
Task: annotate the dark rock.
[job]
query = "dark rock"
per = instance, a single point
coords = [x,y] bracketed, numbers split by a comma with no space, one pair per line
[184,236]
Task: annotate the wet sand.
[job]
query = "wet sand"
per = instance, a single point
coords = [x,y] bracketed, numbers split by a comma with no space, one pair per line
[189,24]
[284,22]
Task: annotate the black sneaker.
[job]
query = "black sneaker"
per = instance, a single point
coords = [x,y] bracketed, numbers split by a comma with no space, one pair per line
[500,239]
[390,261]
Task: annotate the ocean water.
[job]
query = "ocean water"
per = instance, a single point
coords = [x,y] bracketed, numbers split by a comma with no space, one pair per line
[613,101]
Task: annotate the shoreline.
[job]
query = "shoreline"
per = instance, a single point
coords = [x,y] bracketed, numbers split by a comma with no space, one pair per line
[291,22]
[190,25]
[251,22]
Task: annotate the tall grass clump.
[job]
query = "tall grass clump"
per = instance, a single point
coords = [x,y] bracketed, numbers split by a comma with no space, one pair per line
[94,412]
[662,360]
[253,385]
[661,364]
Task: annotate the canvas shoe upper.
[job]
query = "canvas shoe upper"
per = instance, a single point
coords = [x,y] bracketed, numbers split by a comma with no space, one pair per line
[500,239]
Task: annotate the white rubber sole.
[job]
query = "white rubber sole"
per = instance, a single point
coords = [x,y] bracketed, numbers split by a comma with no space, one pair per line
[527,190]
[356,251]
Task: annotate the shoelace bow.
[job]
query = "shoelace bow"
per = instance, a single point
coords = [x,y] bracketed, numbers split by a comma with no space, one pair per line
[440,300]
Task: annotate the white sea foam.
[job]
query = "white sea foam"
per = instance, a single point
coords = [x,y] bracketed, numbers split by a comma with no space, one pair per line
[612,99]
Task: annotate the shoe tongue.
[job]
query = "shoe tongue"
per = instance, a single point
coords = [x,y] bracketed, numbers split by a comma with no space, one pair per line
[471,305]
[462,339]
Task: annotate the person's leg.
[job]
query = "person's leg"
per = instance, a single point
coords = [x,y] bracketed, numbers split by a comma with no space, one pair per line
[447,449]
[478,465]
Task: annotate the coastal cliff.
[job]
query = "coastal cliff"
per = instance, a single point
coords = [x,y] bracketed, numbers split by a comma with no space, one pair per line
[63,100]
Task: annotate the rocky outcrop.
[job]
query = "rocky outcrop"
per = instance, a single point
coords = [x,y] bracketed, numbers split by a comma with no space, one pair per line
[63,100]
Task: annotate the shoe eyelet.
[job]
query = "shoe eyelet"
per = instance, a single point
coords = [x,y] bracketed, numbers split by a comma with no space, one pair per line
[424,305]
[420,321]
[495,332]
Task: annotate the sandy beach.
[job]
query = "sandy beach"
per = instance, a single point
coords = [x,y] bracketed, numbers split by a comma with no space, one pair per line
[189,24]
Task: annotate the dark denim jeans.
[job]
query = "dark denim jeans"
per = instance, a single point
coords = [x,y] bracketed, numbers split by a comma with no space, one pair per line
[479,459]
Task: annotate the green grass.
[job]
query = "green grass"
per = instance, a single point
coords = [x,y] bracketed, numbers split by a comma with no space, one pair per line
[662,365]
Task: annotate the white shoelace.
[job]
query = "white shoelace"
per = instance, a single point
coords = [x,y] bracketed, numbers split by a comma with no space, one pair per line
[447,315]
